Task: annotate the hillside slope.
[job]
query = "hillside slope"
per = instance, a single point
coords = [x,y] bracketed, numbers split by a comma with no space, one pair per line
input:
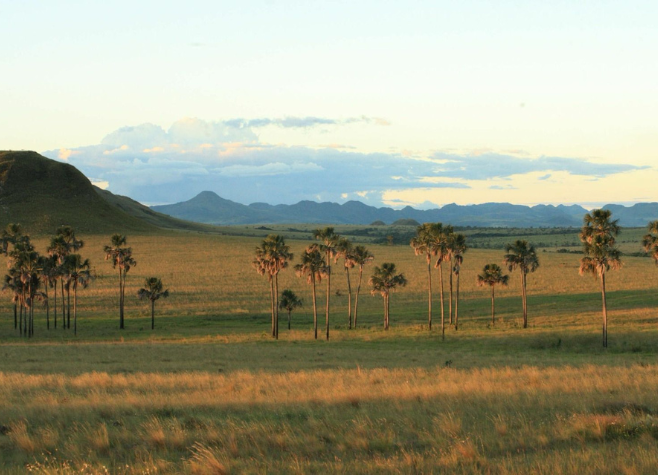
[42,194]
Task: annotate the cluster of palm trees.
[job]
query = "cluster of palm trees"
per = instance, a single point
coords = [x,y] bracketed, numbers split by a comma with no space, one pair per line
[31,274]
[600,254]
[273,256]
[442,245]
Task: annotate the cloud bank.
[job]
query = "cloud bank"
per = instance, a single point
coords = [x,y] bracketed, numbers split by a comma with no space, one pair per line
[153,165]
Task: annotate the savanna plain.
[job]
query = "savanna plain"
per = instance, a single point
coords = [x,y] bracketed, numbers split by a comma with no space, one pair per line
[209,390]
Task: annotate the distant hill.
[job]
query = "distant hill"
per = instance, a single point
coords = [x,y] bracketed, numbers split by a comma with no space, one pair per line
[42,194]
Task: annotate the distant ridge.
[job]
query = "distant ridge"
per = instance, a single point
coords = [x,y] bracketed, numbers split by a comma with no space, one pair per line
[208,207]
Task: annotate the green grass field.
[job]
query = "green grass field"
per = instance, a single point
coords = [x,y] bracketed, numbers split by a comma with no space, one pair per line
[209,391]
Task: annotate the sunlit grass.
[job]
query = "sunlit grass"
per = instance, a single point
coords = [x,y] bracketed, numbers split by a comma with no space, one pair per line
[209,391]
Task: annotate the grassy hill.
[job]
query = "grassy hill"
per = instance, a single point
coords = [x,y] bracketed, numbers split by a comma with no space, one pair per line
[42,194]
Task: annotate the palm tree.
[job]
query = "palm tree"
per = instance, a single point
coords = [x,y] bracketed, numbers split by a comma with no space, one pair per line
[12,282]
[650,241]
[330,240]
[58,250]
[440,245]
[152,291]
[64,243]
[80,275]
[458,245]
[344,249]
[313,267]
[600,253]
[449,257]
[361,257]
[10,235]
[523,256]
[383,281]
[492,275]
[122,260]
[49,276]
[289,301]
[425,243]
[26,262]
[271,258]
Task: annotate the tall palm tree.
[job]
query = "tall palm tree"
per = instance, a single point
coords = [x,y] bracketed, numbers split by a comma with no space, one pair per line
[10,235]
[271,258]
[48,276]
[650,241]
[12,282]
[313,267]
[458,246]
[152,291]
[123,261]
[58,250]
[81,276]
[492,275]
[425,243]
[289,302]
[523,256]
[64,243]
[384,280]
[361,257]
[440,245]
[329,239]
[450,257]
[344,249]
[600,253]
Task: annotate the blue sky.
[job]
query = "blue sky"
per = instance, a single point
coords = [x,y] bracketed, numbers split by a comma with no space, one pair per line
[421,103]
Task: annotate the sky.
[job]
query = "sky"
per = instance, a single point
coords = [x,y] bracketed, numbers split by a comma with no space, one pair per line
[419,103]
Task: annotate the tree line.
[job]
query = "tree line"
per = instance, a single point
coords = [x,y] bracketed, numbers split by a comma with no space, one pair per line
[442,247]
[30,275]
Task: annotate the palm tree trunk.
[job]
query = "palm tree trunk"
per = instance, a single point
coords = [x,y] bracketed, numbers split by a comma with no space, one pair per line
[384,302]
[289,319]
[450,303]
[75,307]
[605,312]
[15,316]
[429,292]
[525,300]
[121,285]
[493,307]
[315,311]
[47,307]
[55,304]
[63,306]
[272,305]
[68,306]
[356,300]
[349,297]
[152,314]
[276,305]
[443,322]
[457,302]
[388,311]
[328,294]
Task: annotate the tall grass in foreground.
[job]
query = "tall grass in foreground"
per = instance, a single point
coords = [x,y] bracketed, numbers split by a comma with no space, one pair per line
[528,420]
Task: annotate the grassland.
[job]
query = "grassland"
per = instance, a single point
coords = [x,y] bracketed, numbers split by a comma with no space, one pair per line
[210,392]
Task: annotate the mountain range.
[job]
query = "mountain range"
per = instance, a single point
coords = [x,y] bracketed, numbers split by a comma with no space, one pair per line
[208,207]
[42,194]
